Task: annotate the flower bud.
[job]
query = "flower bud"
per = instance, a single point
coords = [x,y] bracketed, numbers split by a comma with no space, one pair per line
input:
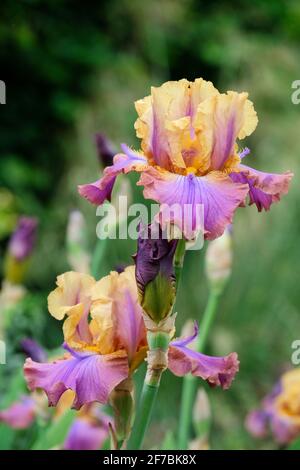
[105,149]
[155,273]
[201,421]
[218,260]
[33,350]
[122,402]
[78,256]
[19,249]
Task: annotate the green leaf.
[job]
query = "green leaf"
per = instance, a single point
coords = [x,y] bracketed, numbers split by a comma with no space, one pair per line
[294,445]
[56,433]
[169,442]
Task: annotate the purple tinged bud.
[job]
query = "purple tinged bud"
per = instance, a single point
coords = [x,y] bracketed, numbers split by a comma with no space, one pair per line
[105,149]
[155,272]
[33,350]
[23,239]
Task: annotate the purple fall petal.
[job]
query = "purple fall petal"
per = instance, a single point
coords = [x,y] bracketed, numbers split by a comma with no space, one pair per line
[264,188]
[101,189]
[91,376]
[215,370]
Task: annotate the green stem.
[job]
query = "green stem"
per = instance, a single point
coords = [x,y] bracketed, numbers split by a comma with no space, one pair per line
[157,361]
[98,257]
[179,260]
[190,382]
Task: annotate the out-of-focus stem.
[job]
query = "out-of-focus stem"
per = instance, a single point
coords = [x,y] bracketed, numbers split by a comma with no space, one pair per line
[98,257]
[189,382]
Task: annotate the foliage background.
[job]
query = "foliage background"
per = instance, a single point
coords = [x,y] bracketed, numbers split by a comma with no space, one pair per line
[73,68]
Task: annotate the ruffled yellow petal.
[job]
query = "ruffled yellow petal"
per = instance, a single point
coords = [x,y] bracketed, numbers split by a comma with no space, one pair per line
[73,288]
[114,306]
[290,378]
[221,120]
[191,125]
[72,297]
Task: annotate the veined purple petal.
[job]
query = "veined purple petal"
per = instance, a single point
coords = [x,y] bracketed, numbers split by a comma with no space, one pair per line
[264,188]
[20,414]
[84,435]
[215,370]
[98,191]
[91,376]
[23,239]
[101,189]
[193,203]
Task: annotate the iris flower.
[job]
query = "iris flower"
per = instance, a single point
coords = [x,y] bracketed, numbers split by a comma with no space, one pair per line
[89,430]
[190,157]
[20,414]
[105,341]
[280,411]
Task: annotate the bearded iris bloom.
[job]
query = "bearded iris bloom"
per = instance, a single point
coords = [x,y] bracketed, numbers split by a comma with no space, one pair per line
[105,341]
[104,337]
[280,411]
[190,155]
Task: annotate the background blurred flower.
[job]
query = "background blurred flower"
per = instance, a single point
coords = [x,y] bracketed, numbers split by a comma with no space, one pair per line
[20,414]
[19,250]
[218,260]
[77,252]
[280,411]
[89,430]
[23,239]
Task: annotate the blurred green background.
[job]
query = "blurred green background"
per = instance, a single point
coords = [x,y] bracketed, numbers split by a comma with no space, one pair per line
[72,68]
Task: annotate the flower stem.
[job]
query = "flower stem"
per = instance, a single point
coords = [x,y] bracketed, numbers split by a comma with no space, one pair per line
[157,363]
[190,382]
[98,257]
[179,260]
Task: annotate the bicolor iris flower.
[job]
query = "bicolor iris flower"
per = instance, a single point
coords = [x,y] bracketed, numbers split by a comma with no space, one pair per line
[105,341]
[280,411]
[191,158]
[104,337]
